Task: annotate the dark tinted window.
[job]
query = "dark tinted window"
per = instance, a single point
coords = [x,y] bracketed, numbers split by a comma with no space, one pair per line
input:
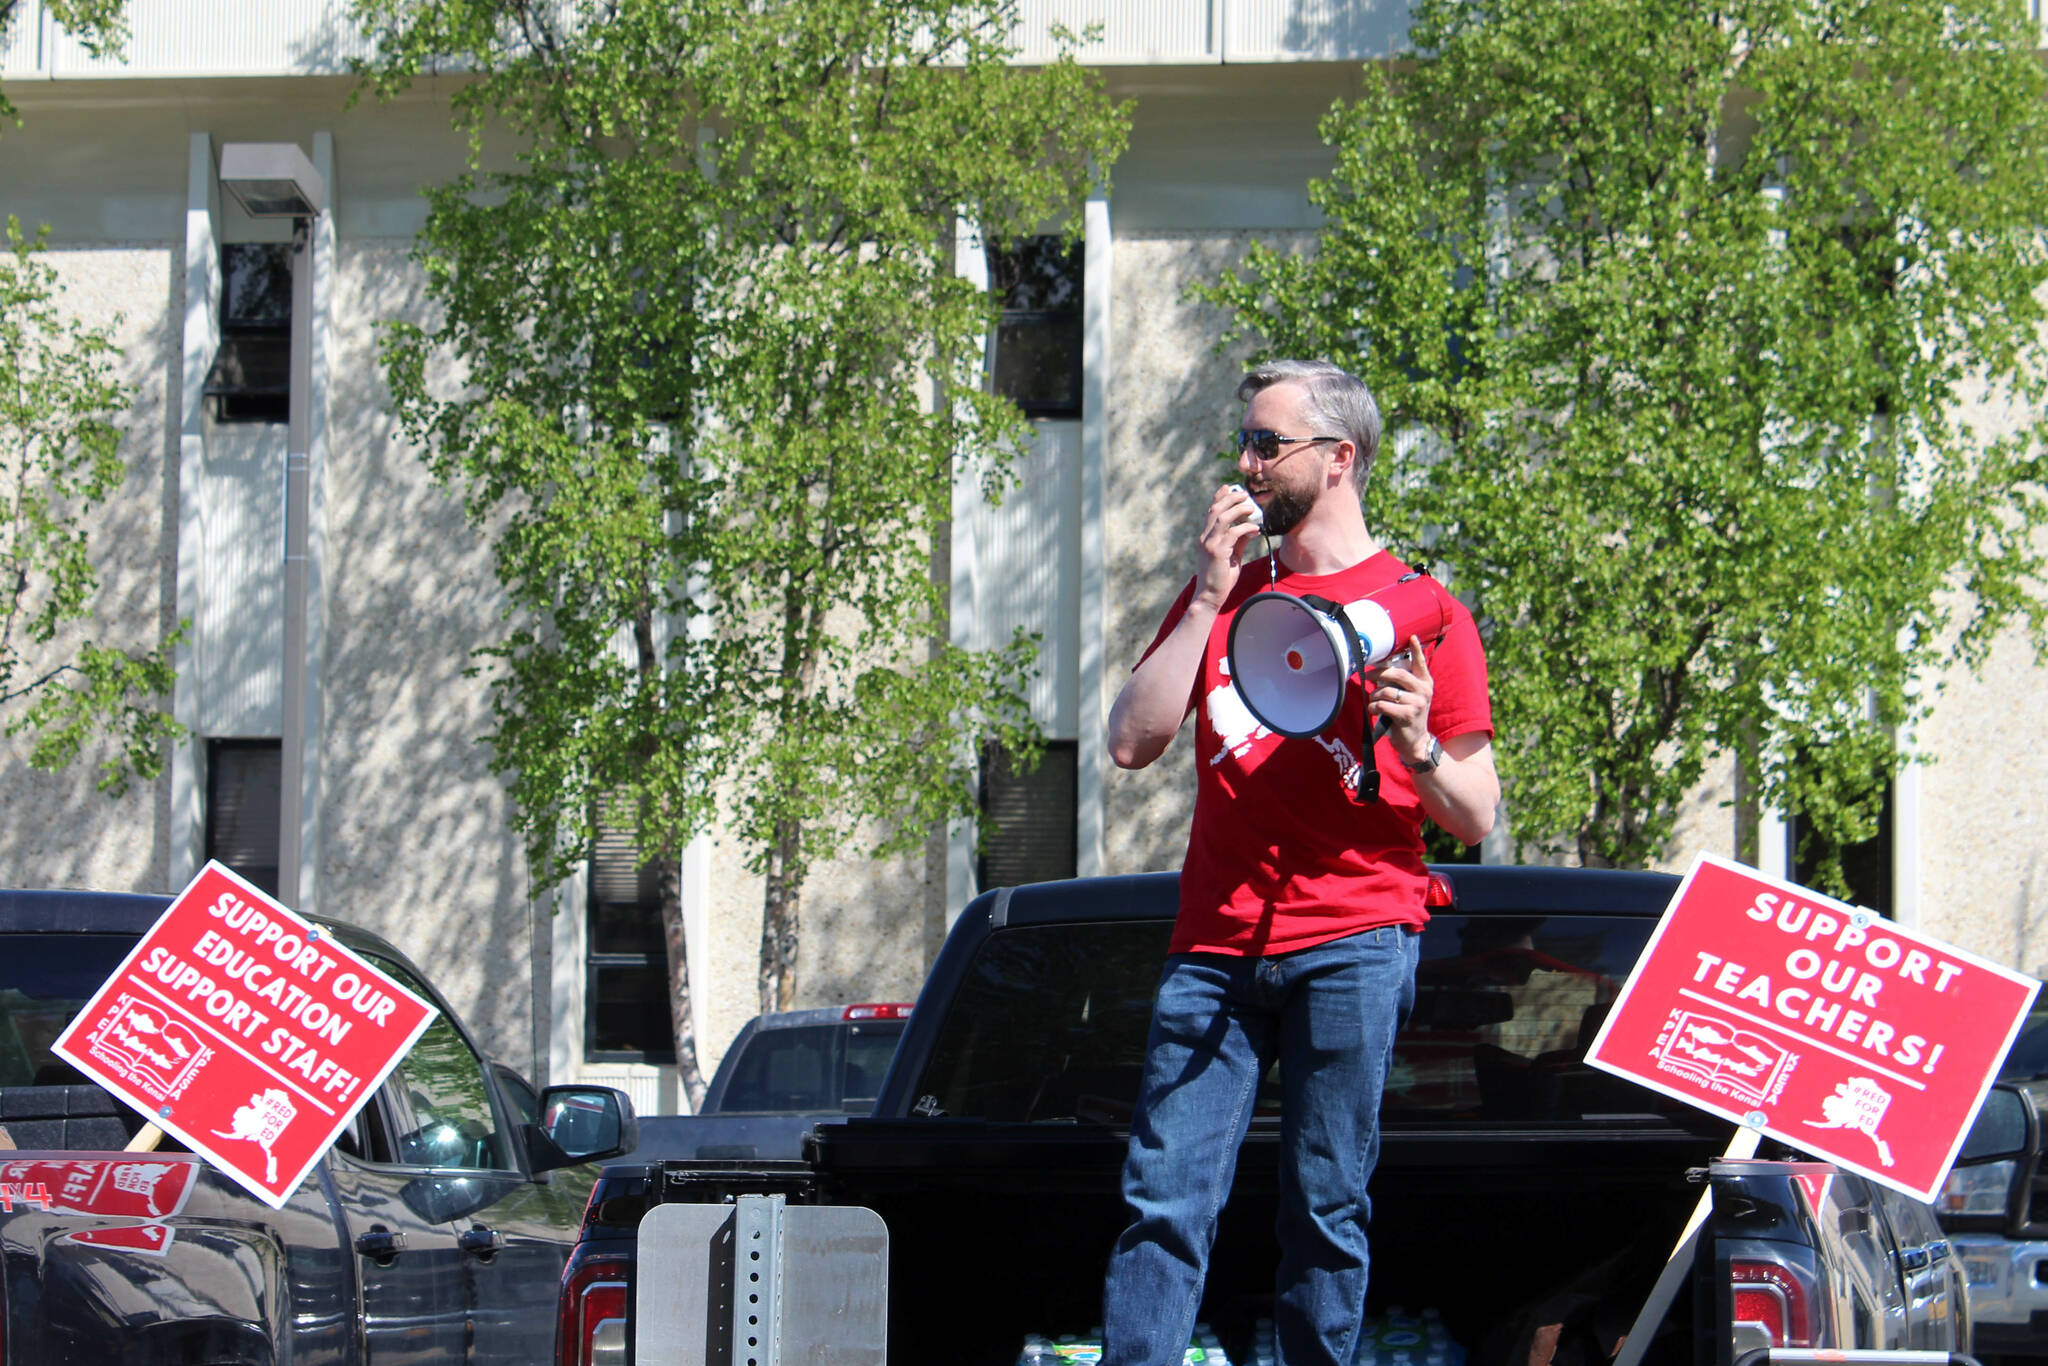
[243,787]
[626,983]
[869,1047]
[786,1071]
[44,980]
[1027,815]
[1036,351]
[251,376]
[1866,864]
[1051,1023]
[2028,1056]
[440,1082]
[1505,1008]
[514,1089]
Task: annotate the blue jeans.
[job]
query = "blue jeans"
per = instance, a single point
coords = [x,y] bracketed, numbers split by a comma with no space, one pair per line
[1329,1015]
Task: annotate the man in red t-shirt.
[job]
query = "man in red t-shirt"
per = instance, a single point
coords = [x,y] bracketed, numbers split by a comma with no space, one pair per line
[1300,902]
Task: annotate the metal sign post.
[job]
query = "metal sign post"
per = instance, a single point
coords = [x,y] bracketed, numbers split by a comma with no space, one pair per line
[762,1282]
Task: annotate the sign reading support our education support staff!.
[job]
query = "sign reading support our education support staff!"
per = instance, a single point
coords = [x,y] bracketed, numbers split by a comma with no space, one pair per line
[1821,1024]
[246,1031]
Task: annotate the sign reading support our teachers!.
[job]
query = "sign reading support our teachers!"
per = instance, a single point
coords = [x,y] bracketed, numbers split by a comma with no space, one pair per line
[1821,1024]
[246,1031]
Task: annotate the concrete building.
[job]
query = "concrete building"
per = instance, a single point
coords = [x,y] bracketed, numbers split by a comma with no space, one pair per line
[410,834]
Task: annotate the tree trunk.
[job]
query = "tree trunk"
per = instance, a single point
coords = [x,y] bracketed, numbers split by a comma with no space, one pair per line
[688,1073]
[779,922]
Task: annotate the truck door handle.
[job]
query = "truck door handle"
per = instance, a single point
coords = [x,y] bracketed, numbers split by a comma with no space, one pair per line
[1926,1255]
[381,1245]
[483,1243]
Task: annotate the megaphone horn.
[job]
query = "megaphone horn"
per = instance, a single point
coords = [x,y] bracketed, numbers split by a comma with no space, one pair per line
[1289,662]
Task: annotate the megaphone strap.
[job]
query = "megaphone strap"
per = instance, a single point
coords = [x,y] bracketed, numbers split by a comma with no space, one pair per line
[1368,790]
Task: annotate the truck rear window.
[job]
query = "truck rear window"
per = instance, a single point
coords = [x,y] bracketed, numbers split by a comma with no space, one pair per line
[1050,1024]
[812,1069]
[44,980]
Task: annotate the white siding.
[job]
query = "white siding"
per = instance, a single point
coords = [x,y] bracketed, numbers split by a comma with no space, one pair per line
[1313,30]
[317,37]
[1184,31]
[21,47]
[1028,572]
[239,628]
[218,38]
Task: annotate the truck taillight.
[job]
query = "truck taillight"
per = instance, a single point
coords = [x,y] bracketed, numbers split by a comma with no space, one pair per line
[592,1326]
[1773,1298]
[877,1010]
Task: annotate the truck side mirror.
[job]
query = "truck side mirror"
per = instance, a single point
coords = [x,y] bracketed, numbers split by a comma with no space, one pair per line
[580,1124]
[2006,1128]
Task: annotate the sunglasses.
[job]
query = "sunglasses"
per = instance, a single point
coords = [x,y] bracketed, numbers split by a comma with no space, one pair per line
[1267,443]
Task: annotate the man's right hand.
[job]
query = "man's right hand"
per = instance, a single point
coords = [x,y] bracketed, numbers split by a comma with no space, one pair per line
[1154,700]
[1232,521]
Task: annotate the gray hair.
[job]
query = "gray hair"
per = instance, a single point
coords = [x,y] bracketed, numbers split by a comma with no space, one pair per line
[1337,401]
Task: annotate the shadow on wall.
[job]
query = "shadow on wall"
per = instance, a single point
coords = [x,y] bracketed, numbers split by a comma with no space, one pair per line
[1176,402]
[863,930]
[326,49]
[418,839]
[59,830]
[2030,901]
[1343,30]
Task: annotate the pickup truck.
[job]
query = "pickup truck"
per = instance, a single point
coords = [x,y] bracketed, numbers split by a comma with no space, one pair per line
[1997,1217]
[785,1073]
[435,1229]
[1523,1208]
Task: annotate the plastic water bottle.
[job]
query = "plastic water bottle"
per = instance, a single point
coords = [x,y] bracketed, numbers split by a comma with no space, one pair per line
[1038,1352]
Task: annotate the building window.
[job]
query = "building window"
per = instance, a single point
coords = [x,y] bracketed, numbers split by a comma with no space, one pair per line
[1035,357]
[1866,865]
[251,377]
[1027,829]
[244,782]
[625,987]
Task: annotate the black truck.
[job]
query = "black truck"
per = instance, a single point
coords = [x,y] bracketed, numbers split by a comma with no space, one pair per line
[785,1073]
[1997,1217]
[435,1230]
[1524,1208]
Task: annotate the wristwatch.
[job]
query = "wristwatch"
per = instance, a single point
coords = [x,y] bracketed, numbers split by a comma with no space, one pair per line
[1436,756]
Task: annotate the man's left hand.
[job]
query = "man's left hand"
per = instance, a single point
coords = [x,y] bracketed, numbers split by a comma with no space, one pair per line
[1402,689]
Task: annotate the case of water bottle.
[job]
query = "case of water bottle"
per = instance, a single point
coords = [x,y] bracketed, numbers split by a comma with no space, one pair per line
[1393,1338]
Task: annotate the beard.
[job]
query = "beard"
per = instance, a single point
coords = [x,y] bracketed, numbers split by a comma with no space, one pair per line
[1285,509]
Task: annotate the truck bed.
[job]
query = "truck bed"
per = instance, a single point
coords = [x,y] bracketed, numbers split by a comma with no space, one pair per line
[1520,1194]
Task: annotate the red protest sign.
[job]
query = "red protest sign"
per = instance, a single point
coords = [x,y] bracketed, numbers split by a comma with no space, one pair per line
[245,1030]
[1819,1023]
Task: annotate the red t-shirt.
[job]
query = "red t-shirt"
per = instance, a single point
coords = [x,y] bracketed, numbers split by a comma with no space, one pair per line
[1280,857]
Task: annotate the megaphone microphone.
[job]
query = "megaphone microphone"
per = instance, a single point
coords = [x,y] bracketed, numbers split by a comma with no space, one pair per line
[1292,657]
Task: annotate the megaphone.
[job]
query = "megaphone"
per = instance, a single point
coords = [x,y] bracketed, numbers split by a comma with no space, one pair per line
[1291,657]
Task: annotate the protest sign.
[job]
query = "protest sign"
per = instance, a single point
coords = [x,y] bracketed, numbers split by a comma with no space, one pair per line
[1819,1023]
[246,1031]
